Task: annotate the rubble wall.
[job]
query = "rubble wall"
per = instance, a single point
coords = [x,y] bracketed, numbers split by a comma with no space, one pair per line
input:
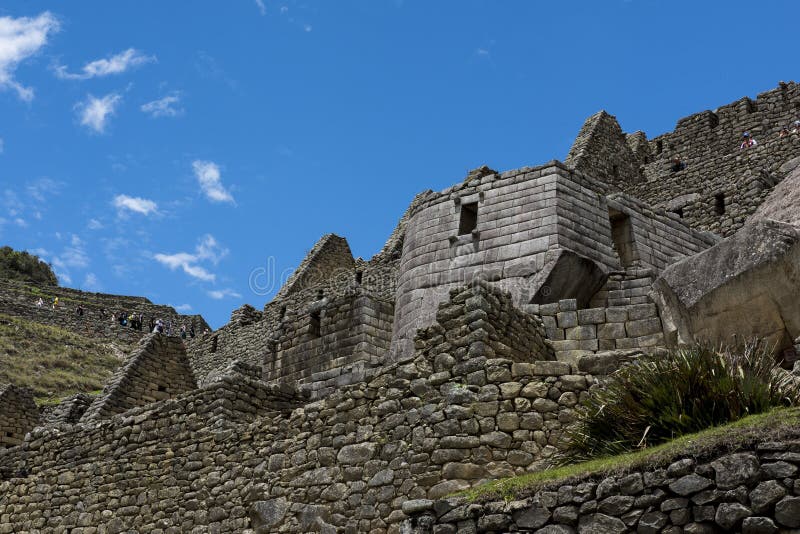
[754,490]
[229,457]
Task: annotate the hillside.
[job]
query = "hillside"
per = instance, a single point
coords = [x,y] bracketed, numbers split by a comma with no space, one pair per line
[24,267]
[55,363]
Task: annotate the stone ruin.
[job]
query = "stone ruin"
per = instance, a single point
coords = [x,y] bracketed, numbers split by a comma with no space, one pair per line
[368,390]
[18,414]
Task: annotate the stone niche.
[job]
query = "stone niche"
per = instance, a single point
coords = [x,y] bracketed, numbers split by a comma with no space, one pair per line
[158,370]
[18,414]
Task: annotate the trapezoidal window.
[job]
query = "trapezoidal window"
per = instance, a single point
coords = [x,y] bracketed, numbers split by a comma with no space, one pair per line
[719,204]
[315,324]
[678,212]
[469,218]
[622,235]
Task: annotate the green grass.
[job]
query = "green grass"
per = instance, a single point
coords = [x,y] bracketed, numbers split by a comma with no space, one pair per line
[54,363]
[770,426]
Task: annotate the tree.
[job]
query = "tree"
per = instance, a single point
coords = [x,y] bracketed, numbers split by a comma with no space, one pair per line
[16,265]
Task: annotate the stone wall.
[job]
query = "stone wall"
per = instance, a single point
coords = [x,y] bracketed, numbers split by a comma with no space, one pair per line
[20,300]
[543,234]
[575,333]
[331,343]
[158,369]
[18,414]
[251,334]
[236,454]
[754,491]
[717,186]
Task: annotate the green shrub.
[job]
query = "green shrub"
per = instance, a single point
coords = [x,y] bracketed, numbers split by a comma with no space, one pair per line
[658,398]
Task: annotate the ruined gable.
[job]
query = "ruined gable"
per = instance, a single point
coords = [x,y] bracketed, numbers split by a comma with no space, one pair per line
[602,151]
[330,257]
[18,414]
[159,369]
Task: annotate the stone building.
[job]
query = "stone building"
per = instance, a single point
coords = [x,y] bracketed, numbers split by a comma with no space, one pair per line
[367,389]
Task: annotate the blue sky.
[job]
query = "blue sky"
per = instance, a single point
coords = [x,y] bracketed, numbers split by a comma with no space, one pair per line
[171,149]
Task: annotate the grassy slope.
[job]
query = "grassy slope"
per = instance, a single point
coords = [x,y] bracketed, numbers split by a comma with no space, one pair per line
[53,362]
[772,426]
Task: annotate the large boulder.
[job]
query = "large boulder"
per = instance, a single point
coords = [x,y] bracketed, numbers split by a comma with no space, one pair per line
[745,286]
[783,202]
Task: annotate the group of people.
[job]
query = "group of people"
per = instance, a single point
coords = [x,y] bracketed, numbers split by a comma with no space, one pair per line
[133,320]
[136,321]
[40,302]
[793,128]
[749,141]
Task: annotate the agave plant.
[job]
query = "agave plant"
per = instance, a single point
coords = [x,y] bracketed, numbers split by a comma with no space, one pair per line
[658,398]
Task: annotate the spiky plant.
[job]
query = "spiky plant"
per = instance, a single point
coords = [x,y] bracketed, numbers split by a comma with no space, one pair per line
[657,398]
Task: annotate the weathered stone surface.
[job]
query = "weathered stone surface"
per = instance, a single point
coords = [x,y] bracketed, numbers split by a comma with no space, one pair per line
[601,524]
[729,514]
[652,522]
[689,484]
[268,513]
[765,495]
[722,292]
[787,512]
[758,525]
[533,517]
[735,469]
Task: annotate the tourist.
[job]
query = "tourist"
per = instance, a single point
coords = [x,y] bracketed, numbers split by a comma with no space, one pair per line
[748,141]
[183,331]
[796,127]
[40,302]
[55,303]
[79,310]
[152,324]
[677,164]
[191,331]
[784,132]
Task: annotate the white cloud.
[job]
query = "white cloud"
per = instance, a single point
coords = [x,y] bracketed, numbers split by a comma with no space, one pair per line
[2,145]
[20,39]
[91,282]
[208,176]
[116,64]
[95,112]
[74,256]
[207,250]
[182,308]
[284,9]
[219,294]
[307,27]
[164,107]
[482,52]
[19,221]
[261,7]
[135,204]
[94,224]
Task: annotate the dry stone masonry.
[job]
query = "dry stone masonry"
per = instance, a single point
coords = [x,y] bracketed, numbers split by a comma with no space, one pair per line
[368,390]
[750,491]
[18,414]
[158,370]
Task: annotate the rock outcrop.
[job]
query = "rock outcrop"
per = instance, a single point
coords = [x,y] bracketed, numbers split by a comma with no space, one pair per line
[745,286]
